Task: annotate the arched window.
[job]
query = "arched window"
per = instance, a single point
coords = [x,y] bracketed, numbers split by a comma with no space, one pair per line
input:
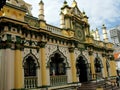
[57,65]
[30,67]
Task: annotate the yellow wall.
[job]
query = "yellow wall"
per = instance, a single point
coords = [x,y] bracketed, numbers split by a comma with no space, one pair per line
[13,13]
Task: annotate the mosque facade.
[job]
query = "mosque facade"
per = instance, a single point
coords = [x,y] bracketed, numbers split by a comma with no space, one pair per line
[37,55]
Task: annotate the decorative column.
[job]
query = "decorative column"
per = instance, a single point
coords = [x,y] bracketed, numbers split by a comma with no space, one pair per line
[92,63]
[73,64]
[113,71]
[43,63]
[104,31]
[104,65]
[18,69]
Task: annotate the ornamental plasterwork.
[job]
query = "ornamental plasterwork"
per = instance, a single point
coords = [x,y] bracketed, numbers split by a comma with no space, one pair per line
[49,50]
[25,52]
[34,51]
[65,51]
[85,53]
[28,50]
[77,53]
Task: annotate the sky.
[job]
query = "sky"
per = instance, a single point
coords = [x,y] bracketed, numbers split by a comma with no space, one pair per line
[99,11]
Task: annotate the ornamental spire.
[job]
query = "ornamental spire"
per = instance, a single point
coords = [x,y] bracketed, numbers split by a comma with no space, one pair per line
[41,10]
[74,3]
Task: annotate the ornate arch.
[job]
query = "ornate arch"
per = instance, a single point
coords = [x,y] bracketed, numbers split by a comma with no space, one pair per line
[61,55]
[84,58]
[34,58]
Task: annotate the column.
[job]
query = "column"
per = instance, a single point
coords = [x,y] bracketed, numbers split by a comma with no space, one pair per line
[43,63]
[73,64]
[18,70]
[104,67]
[9,68]
[113,68]
[92,64]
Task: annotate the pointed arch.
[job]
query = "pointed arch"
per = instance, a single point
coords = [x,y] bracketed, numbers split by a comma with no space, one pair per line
[83,68]
[84,58]
[33,57]
[61,55]
[57,63]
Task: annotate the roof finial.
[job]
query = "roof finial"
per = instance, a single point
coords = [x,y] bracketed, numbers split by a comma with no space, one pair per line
[74,3]
[41,2]
[65,2]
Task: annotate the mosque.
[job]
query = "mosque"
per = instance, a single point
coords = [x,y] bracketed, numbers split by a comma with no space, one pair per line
[35,55]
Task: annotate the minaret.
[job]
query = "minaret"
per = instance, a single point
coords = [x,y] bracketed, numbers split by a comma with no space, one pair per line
[104,31]
[41,15]
[66,12]
[97,35]
[41,10]
[65,7]
[62,20]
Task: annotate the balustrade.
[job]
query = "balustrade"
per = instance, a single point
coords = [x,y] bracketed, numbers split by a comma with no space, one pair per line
[30,82]
[54,29]
[58,80]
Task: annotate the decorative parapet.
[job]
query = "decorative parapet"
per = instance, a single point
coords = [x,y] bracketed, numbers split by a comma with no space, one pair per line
[53,29]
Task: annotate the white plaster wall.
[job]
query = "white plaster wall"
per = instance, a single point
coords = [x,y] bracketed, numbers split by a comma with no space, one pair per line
[6,69]
[1,69]
[9,57]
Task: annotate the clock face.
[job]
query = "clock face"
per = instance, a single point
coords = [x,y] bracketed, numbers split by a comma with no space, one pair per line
[79,33]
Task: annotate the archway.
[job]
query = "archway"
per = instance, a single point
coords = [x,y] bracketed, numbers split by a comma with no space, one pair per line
[82,69]
[30,65]
[57,65]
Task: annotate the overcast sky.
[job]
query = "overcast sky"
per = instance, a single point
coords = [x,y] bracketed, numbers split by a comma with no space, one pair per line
[99,11]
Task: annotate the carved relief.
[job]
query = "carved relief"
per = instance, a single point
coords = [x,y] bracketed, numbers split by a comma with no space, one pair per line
[77,53]
[28,50]
[49,50]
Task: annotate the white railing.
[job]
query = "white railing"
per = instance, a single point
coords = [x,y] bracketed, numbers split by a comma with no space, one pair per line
[30,82]
[58,80]
[54,29]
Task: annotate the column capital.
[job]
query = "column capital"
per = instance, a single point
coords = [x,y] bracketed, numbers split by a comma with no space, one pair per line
[90,53]
[71,49]
[19,46]
[42,44]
